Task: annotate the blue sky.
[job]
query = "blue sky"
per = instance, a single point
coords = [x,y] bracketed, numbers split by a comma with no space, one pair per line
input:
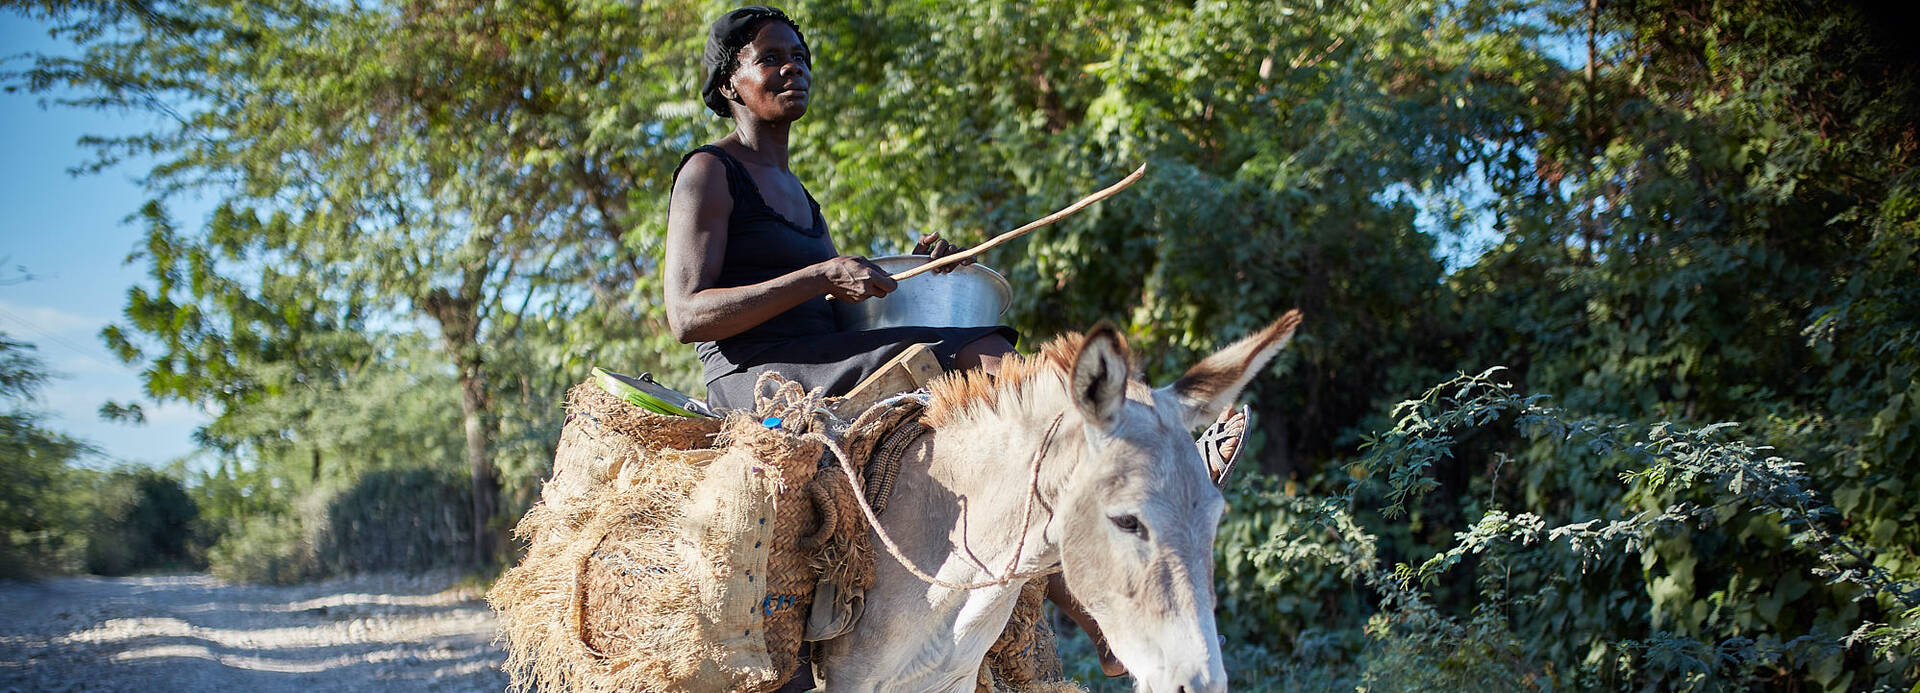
[72,234]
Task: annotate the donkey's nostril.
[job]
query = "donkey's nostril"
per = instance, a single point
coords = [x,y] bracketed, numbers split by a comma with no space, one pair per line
[1182,689]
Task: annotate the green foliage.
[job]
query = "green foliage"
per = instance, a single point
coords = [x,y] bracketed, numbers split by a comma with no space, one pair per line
[412,519]
[394,519]
[141,519]
[266,549]
[55,518]
[1286,569]
[1717,565]
[40,516]
[1417,649]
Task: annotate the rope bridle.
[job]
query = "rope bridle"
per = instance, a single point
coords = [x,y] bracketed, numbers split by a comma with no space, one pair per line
[879,487]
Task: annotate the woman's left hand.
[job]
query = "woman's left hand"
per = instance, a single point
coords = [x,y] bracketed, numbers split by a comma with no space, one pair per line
[931,244]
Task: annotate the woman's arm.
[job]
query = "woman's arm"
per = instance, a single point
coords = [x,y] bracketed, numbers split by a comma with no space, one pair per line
[696,244]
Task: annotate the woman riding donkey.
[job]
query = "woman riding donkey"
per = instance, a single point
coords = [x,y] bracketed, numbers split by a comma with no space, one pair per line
[750,260]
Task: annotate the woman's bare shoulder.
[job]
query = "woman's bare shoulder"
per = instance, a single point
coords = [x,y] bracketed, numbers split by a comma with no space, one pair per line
[703,176]
[702,163]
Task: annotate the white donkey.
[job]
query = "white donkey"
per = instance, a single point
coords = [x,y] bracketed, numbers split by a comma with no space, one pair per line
[1124,506]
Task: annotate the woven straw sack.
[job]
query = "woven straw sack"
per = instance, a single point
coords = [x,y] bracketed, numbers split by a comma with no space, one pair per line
[648,565]
[785,584]
[605,437]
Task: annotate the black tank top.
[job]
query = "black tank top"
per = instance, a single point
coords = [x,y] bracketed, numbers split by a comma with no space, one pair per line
[763,244]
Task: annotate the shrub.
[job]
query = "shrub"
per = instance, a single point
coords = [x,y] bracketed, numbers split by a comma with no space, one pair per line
[397,519]
[388,520]
[1634,556]
[268,549]
[141,520]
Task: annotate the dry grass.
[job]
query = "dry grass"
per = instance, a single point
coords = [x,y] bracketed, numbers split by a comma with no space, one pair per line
[648,567]
[598,604]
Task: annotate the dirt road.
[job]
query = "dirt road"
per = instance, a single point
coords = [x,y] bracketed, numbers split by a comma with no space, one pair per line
[195,633]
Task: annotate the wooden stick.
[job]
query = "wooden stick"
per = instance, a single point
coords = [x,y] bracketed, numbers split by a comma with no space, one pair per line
[1016,233]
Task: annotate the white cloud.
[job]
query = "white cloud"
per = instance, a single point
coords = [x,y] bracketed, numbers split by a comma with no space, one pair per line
[67,342]
[32,323]
[73,405]
[67,365]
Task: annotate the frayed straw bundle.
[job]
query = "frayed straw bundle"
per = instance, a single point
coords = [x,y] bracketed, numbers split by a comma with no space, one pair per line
[605,547]
[648,567]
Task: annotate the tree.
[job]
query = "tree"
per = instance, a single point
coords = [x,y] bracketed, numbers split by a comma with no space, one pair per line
[38,518]
[381,165]
[1719,225]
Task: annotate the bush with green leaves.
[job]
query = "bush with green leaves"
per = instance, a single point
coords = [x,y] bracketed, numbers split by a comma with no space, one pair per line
[387,520]
[1716,565]
[141,519]
[269,549]
[407,519]
[41,512]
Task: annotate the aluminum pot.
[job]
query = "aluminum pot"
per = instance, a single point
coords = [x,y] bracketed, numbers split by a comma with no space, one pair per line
[972,296]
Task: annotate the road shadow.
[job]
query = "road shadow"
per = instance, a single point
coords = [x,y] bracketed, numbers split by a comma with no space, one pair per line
[369,633]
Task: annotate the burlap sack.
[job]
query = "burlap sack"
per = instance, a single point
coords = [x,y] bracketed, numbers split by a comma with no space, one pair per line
[604,437]
[728,529]
[744,519]
[648,565]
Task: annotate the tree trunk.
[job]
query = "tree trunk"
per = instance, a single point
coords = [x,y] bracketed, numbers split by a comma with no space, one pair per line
[459,327]
[474,414]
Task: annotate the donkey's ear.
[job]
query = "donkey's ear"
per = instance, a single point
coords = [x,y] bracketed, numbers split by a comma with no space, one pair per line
[1100,372]
[1211,386]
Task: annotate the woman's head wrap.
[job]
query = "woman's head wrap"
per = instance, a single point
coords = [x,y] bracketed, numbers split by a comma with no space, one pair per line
[730,33]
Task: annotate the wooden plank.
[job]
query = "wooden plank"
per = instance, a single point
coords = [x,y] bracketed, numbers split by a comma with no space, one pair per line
[910,370]
[919,362]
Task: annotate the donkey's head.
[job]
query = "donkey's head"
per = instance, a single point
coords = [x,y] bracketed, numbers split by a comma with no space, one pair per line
[1136,519]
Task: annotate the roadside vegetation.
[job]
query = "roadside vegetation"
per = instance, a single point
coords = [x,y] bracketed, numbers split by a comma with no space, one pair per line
[58,515]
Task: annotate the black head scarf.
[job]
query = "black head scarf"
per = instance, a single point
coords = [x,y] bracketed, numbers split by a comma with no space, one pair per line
[730,33]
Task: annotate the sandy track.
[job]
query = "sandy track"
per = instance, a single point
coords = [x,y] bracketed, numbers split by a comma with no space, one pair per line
[195,633]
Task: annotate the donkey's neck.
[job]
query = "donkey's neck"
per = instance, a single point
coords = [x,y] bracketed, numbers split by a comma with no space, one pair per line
[996,474]
[956,514]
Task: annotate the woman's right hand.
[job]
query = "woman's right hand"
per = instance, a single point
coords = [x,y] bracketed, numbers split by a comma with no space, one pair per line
[854,279]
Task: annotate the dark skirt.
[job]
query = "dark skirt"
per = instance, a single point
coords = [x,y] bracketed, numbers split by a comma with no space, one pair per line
[836,361]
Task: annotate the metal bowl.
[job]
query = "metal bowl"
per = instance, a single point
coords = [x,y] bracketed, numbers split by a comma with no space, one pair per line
[971,296]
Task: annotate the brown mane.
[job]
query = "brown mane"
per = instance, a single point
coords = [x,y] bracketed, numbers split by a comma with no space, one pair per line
[958,392]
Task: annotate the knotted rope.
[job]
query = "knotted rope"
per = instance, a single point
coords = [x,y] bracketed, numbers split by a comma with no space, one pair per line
[873,518]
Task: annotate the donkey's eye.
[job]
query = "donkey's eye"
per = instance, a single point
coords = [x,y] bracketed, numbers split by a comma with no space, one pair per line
[1129,524]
